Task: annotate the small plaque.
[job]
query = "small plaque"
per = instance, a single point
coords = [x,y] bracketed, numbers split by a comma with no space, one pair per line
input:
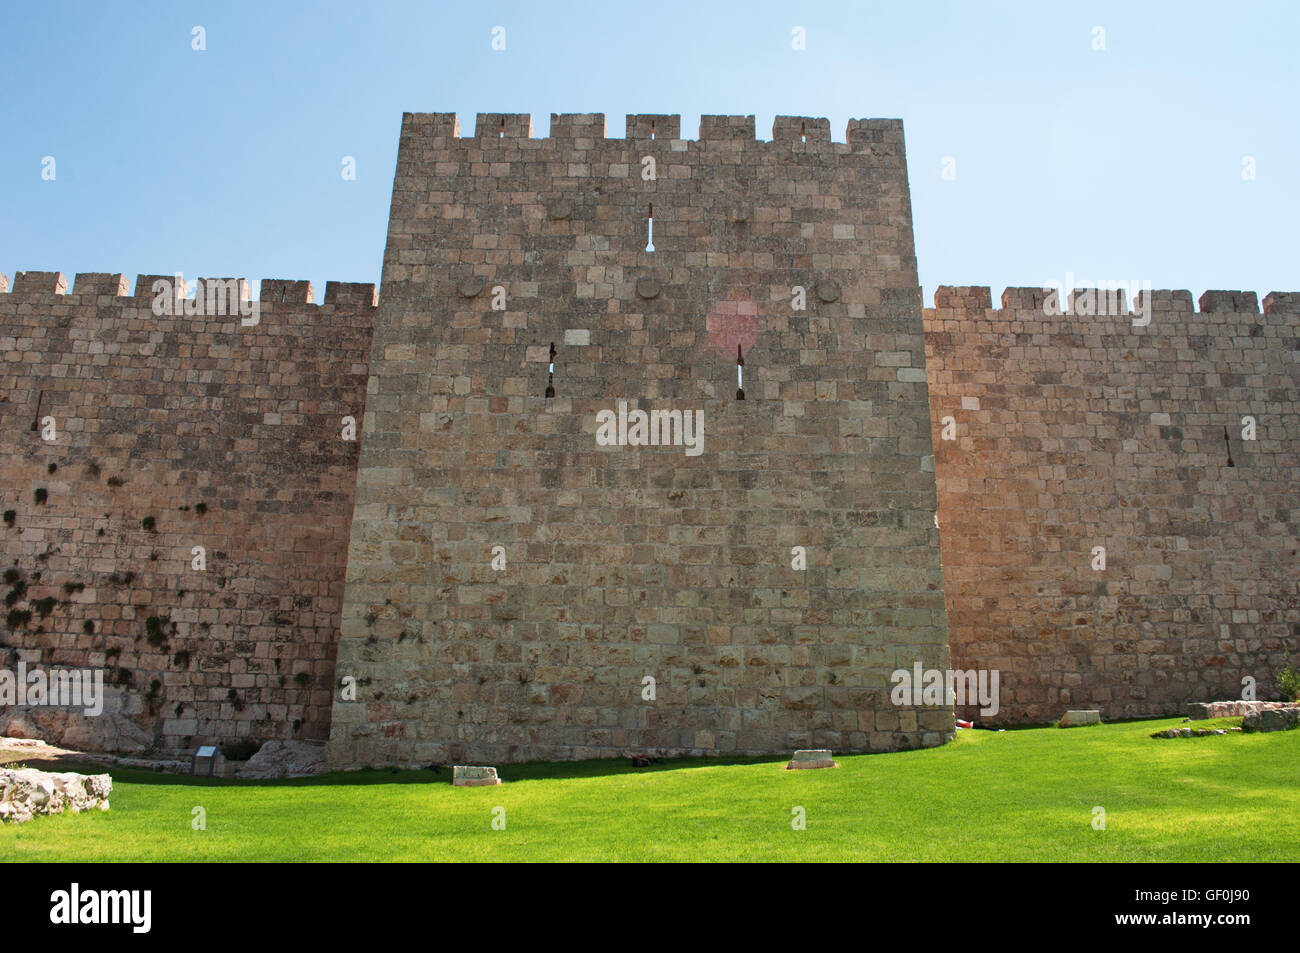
[204,751]
[648,288]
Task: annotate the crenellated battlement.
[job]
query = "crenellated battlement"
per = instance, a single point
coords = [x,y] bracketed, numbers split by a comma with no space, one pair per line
[978,298]
[643,127]
[275,291]
[126,419]
[39,283]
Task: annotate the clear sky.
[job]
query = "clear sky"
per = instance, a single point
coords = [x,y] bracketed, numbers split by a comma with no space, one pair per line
[1120,164]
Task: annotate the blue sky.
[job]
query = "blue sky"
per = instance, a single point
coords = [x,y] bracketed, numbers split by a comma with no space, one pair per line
[1116,164]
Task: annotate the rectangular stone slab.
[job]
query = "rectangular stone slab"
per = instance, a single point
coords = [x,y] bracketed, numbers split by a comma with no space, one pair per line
[471,776]
[812,758]
[1072,719]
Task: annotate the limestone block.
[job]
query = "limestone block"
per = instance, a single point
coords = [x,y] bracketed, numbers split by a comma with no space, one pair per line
[811,758]
[471,776]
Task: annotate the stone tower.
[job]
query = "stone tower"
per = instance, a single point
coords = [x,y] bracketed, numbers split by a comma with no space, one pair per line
[539,577]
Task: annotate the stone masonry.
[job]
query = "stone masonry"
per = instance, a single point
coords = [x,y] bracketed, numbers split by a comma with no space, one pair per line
[171,432]
[508,586]
[1088,429]
[623,563]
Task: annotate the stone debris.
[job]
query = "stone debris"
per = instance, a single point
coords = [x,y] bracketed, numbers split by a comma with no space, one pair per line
[1198,711]
[26,792]
[1272,719]
[1274,716]
[284,759]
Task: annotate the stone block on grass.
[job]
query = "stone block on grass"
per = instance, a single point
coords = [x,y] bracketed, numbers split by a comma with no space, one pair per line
[471,776]
[1074,718]
[812,758]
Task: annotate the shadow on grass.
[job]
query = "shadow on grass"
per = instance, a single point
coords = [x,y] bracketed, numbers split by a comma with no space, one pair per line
[527,771]
[1032,726]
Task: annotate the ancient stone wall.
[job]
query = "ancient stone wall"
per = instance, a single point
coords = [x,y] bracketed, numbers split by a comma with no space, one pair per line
[1084,429]
[618,563]
[129,438]
[518,586]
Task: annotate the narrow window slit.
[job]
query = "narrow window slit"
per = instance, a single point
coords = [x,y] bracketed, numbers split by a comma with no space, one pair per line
[550,374]
[650,244]
[740,375]
[803,133]
[1226,441]
[503,128]
[652,129]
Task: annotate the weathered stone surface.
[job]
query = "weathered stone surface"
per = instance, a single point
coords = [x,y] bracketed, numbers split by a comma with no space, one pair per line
[1050,462]
[470,286]
[1076,717]
[285,759]
[176,431]
[474,776]
[812,758]
[828,291]
[1230,709]
[624,561]
[72,728]
[26,792]
[1273,719]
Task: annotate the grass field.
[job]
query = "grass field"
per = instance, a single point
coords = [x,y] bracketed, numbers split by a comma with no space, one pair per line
[1016,796]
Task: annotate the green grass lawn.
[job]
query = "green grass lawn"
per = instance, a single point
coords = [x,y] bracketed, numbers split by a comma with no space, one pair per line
[1018,795]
